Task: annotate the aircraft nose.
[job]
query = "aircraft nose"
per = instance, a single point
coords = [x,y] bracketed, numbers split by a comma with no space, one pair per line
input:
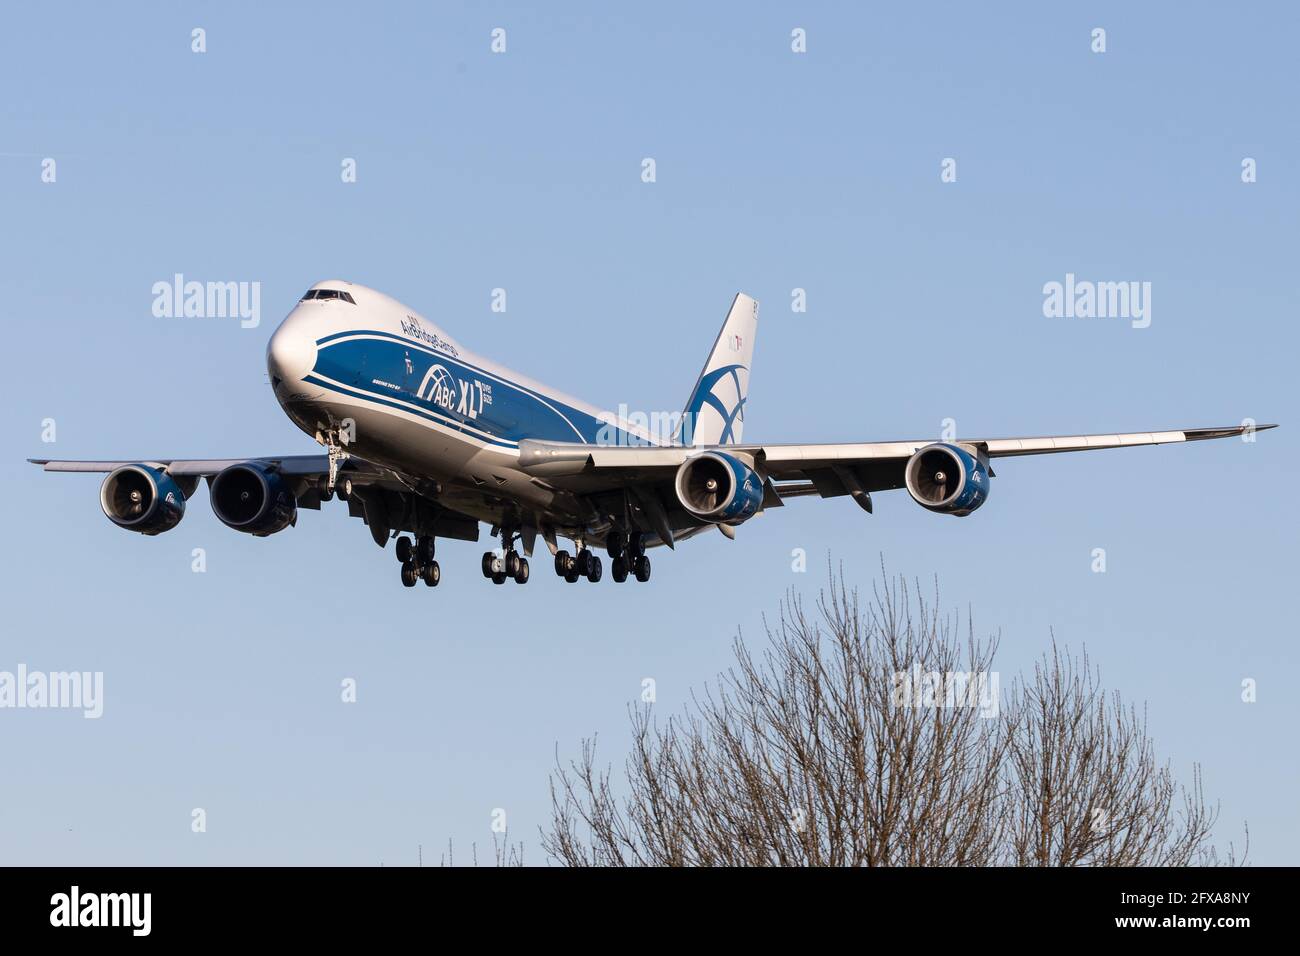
[291,353]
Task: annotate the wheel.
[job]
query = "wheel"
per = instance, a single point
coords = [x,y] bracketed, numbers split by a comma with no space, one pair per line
[571,577]
[614,544]
[583,566]
[489,564]
[424,549]
[635,544]
[431,574]
[344,489]
[512,563]
[641,568]
[521,574]
[323,490]
[499,577]
[409,574]
[561,563]
[619,570]
[594,569]
[403,549]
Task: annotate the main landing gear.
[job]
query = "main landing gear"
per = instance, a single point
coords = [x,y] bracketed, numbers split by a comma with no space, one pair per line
[627,554]
[509,564]
[417,561]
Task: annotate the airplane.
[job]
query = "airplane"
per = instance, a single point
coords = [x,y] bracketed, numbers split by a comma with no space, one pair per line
[424,438]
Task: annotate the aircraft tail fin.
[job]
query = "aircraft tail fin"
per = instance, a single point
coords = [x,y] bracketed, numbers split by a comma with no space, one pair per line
[715,412]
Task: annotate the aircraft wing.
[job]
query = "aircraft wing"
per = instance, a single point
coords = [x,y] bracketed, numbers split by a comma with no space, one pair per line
[197,467]
[825,469]
[382,498]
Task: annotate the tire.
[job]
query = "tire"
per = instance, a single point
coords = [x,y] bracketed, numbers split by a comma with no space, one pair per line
[572,577]
[521,575]
[583,567]
[409,574]
[561,563]
[489,559]
[614,545]
[499,577]
[619,570]
[431,574]
[344,489]
[594,569]
[641,569]
[512,563]
[424,549]
[635,545]
[403,549]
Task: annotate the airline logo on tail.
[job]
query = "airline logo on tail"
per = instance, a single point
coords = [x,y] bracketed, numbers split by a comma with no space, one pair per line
[715,412]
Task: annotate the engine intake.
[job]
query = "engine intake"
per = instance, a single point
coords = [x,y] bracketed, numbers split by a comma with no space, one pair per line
[718,488]
[948,479]
[253,499]
[143,499]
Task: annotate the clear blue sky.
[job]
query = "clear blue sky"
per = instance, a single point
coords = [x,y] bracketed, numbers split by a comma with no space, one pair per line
[522,171]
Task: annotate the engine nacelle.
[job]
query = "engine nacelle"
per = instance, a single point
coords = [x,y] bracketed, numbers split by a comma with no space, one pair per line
[253,499]
[948,479]
[718,488]
[143,499]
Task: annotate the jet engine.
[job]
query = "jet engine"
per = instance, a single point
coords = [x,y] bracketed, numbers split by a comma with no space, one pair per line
[719,488]
[141,498]
[254,499]
[948,479]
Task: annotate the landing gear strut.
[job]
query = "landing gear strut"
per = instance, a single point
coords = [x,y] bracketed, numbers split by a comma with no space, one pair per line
[417,561]
[337,455]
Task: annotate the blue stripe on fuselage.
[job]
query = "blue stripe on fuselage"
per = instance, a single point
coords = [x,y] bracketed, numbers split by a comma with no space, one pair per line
[400,374]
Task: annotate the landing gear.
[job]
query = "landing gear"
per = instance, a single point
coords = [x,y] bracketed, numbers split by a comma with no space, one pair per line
[513,565]
[636,545]
[615,544]
[332,440]
[628,552]
[417,559]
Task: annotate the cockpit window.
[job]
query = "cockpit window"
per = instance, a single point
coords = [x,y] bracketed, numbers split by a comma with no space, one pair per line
[329,294]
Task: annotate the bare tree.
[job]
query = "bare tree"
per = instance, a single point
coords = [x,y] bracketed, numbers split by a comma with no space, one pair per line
[879,736]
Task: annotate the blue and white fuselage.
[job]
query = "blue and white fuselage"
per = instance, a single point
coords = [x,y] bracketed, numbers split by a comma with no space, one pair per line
[423,436]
